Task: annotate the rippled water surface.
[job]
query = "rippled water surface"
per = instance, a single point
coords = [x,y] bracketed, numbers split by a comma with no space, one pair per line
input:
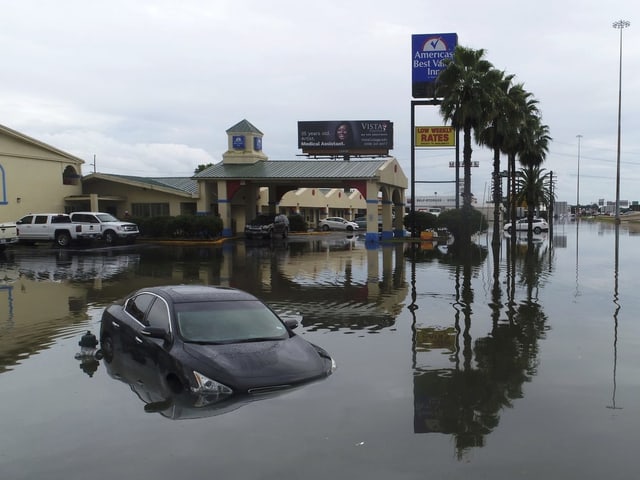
[469,363]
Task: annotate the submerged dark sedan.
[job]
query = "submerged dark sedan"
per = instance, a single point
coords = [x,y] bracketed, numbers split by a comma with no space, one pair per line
[211,340]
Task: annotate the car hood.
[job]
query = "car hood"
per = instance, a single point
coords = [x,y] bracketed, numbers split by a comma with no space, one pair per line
[254,365]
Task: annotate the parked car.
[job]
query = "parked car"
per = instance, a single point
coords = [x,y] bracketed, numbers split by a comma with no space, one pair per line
[362,222]
[267,226]
[538,225]
[212,340]
[337,223]
[111,228]
[54,227]
[8,234]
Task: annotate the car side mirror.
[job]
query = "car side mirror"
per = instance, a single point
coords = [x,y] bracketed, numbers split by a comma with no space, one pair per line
[155,332]
[291,323]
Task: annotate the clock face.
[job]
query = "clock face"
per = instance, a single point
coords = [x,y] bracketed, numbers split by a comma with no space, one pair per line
[257,143]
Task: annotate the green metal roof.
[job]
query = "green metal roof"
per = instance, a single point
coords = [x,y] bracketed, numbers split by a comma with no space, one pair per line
[180,184]
[244,127]
[295,169]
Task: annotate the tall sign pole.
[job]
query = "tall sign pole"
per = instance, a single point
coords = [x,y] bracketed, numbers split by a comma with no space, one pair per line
[428,51]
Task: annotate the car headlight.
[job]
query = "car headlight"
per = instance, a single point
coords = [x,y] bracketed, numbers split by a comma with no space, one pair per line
[207,386]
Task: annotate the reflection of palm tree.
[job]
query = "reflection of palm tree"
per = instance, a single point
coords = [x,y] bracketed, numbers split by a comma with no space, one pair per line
[487,373]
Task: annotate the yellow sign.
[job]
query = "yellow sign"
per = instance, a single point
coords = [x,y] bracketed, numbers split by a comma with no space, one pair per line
[435,137]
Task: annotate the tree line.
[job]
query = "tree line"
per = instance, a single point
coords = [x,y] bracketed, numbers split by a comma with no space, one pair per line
[479,99]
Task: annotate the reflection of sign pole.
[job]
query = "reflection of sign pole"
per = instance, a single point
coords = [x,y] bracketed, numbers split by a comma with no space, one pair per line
[615,320]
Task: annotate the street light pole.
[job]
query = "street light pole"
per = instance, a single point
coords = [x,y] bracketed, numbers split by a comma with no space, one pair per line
[578,184]
[620,25]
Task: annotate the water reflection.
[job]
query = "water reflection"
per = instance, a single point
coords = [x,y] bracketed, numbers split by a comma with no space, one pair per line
[474,343]
[616,311]
[464,396]
[157,396]
[332,284]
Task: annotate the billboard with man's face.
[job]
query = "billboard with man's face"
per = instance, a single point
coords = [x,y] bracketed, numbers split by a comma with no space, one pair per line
[361,137]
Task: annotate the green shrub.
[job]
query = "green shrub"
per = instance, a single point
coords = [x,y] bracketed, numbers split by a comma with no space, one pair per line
[423,221]
[463,223]
[297,223]
[181,226]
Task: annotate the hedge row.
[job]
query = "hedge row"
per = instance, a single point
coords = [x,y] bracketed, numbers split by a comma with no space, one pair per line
[182,226]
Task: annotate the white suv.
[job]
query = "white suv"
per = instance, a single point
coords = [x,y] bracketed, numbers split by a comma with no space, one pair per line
[111,228]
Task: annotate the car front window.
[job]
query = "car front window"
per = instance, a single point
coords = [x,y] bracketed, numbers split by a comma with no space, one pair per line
[228,322]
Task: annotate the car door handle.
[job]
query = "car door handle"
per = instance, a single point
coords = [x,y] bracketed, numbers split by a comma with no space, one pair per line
[138,340]
[115,325]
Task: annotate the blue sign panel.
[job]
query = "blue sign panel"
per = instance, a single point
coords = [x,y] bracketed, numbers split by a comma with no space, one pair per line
[427,53]
[257,144]
[238,142]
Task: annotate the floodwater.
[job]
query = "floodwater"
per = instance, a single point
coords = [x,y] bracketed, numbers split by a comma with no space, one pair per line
[451,365]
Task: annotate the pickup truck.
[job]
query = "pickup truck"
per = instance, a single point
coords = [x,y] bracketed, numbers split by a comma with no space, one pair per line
[112,229]
[54,227]
[8,234]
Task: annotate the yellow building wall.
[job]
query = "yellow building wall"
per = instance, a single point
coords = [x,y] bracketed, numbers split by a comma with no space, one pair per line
[135,194]
[32,179]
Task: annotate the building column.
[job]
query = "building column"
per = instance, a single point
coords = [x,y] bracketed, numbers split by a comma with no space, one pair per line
[224,208]
[372,237]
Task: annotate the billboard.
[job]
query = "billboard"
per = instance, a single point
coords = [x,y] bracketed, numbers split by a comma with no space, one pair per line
[427,53]
[361,137]
[440,136]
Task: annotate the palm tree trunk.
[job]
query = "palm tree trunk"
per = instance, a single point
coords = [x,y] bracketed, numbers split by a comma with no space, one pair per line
[497,196]
[512,166]
[466,204]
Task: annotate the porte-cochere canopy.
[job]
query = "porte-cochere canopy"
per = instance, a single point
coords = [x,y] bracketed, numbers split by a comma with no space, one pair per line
[234,188]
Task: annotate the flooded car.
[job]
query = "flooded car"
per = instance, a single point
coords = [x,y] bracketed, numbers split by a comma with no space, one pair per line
[212,340]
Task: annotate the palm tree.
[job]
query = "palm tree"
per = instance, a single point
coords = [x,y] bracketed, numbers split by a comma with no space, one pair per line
[467,87]
[534,188]
[532,154]
[495,135]
[524,108]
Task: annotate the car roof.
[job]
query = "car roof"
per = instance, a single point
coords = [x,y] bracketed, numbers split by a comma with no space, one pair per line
[39,213]
[198,293]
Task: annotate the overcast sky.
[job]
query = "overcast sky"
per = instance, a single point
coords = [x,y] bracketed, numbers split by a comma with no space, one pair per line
[149,87]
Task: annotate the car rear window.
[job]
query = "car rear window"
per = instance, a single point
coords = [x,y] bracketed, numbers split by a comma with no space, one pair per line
[61,219]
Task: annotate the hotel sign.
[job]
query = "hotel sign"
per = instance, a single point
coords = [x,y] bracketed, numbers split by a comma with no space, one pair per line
[427,54]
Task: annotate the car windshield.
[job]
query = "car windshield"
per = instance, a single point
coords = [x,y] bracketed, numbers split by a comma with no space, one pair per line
[263,220]
[228,322]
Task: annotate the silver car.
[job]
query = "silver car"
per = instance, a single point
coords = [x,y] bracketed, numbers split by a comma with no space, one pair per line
[538,225]
[337,223]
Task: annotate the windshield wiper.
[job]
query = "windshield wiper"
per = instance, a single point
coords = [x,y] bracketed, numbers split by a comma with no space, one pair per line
[259,339]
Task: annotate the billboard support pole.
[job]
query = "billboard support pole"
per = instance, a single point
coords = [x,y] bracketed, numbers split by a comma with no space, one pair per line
[415,103]
[414,234]
[457,168]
